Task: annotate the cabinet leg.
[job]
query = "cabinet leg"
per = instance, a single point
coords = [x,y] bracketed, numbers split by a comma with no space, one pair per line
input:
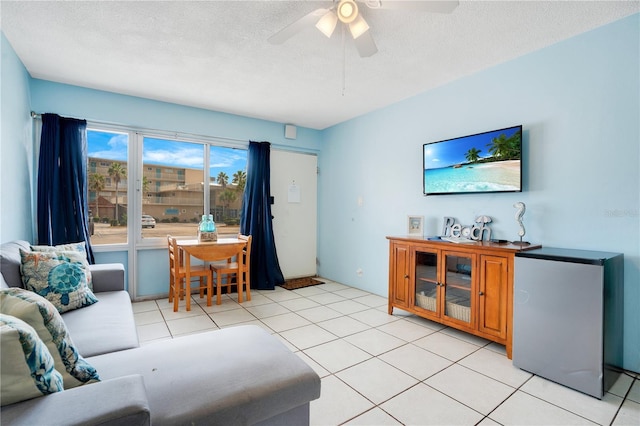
[390,309]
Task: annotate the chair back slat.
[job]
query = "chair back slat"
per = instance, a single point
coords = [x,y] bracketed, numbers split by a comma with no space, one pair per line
[171,243]
[247,259]
[177,274]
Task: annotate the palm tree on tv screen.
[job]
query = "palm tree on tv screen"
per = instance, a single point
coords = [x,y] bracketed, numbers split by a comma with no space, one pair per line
[472,155]
[506,148]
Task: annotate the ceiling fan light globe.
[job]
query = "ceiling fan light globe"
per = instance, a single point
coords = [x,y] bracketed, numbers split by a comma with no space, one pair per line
[358,27]
[347,11]
[327,24]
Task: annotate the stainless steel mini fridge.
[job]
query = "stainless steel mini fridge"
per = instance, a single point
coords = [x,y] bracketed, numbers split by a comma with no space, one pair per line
[568,317]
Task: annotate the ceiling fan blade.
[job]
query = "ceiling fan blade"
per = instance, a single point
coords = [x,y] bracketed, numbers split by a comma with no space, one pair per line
[434,6]
[365,45]
[308,20]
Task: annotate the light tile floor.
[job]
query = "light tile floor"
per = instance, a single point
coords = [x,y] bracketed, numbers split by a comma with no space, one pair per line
[378,369]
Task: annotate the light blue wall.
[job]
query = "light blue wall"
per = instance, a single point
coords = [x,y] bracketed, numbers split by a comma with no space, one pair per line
[16,148]
[579,104]
[73,101]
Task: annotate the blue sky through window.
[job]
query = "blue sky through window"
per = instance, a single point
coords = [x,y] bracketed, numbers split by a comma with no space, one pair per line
[113,146]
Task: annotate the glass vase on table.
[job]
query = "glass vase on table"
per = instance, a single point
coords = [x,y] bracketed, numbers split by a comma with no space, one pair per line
[207,229]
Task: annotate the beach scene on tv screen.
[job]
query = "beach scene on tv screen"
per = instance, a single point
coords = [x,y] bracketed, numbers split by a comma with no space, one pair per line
[486,162]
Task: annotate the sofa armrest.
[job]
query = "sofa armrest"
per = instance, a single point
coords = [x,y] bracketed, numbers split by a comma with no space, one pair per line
[119,401]
[107,277]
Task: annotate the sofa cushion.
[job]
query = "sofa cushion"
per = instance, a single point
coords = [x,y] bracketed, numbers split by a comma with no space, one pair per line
[61,277]
[103,327]
[10,261]
[238,375]
[3,283]
[27,367]
[40,314]
[107,277]
[117,402]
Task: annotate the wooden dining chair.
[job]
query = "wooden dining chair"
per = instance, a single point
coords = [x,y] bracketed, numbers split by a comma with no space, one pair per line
[177,276]
[216,252]
[236,271]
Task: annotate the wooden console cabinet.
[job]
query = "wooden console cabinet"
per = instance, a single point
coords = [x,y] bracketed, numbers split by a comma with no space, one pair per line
[467,286]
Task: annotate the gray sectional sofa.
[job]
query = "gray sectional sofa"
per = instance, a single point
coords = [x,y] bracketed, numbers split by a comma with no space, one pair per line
[235,376]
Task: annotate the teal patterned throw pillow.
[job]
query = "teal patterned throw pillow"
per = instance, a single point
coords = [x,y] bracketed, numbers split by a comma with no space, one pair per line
[27,367]
[79,247]
[60,277]
[45,319]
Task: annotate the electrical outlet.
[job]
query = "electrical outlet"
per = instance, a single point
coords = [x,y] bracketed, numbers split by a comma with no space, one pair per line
[359,272]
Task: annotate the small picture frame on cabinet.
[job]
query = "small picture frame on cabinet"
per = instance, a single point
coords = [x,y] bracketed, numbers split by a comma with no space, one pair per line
[415,225]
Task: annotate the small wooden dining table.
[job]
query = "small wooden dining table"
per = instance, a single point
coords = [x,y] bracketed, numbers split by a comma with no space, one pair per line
[222,249]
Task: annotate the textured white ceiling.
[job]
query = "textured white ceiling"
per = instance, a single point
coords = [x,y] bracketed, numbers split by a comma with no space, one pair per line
[215,54]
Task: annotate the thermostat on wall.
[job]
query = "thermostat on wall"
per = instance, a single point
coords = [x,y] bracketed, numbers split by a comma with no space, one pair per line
[290,131]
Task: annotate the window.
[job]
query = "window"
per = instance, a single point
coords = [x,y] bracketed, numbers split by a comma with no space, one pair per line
[107,185]
[173,186]
[180,194]
[228,171]
[177,205]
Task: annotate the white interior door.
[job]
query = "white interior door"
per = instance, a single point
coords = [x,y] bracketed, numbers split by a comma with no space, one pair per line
[294,180]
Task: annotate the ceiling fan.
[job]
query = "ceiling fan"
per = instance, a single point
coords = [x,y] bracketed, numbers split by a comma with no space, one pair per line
[348,13]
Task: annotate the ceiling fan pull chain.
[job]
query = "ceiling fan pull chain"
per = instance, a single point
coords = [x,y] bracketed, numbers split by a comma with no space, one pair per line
[344,62]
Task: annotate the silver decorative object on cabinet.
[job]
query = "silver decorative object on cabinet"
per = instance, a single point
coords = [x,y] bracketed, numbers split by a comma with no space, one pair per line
[520,209]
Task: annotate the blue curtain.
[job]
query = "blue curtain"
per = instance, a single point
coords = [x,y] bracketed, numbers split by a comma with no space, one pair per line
[62,206]
[256,219]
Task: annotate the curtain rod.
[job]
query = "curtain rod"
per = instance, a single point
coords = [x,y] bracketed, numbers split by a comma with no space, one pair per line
[35,115]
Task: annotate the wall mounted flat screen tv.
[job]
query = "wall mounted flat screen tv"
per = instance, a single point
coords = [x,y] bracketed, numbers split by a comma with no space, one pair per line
[480,163]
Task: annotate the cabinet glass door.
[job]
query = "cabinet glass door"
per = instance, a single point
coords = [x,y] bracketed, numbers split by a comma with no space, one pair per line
[457,287]
[426,274]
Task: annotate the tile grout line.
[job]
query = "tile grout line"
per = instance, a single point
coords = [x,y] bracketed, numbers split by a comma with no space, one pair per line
[375,308]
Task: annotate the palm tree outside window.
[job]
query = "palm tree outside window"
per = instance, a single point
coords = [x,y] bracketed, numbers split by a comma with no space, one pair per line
[117,173]
[96,184]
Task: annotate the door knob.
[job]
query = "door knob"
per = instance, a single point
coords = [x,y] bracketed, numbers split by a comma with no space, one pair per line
[481,293]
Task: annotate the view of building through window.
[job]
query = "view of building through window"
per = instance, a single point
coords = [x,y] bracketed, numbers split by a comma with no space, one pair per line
[108,194]
[172,189]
